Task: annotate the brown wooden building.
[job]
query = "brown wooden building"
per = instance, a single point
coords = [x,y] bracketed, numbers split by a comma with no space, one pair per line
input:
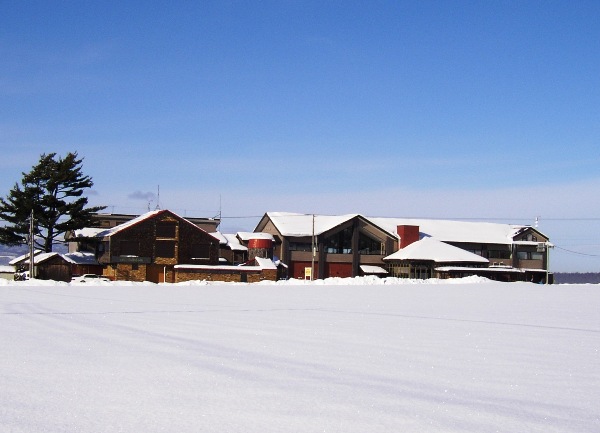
[148,247]
[161,246]
[59,267]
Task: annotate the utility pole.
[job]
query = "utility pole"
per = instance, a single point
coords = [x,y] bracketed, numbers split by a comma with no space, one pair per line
[312,265]
[31,245]
[548,246]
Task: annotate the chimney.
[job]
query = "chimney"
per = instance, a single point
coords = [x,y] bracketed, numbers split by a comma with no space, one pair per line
[408,235]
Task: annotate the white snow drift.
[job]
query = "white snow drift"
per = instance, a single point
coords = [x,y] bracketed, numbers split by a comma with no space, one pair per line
[359,355]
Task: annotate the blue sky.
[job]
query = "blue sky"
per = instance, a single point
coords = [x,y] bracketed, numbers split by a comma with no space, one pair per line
[444,109]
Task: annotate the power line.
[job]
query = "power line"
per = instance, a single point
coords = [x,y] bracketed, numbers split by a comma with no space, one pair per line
[576,252]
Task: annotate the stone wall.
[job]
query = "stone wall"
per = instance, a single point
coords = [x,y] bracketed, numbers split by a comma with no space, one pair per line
[182,275]
[125,272]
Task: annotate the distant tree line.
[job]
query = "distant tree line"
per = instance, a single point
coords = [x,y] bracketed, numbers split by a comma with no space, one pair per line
[577,277]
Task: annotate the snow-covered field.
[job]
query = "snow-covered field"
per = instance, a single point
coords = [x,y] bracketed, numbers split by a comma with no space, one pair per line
[333,356]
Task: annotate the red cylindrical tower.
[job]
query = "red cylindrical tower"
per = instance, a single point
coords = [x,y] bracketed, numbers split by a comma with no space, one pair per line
[260,246]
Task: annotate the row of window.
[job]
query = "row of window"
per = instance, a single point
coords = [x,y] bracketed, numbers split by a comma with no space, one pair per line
[526,255]
[500,254]
[378,248]
[492,254]
[341,243]
[164,249]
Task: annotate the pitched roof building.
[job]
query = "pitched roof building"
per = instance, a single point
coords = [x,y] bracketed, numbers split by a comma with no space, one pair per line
[340,245]
[330,246]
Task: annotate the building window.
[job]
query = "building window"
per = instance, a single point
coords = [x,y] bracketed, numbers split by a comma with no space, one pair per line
[130,248]
[301,246]
[166,229]
[165,249]
[201,251]
[526,255]
[340,242]
[368,245]
[498,254]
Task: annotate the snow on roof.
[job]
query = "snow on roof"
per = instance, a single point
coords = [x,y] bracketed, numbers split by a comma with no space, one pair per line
[81,258]
[491,269]
[220,267]
[265,263]
[296,224]
[96,232]
[246,236]
[220,236]
[5,269]
[370,269]
[101,233]
[41,257]
[229,240]
[125,225]
[234,243]
[439,252]
[19,259]
[88,232]
[456,231]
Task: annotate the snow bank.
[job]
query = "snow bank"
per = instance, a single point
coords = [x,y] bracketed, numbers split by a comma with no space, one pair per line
[353,355]
[370,280]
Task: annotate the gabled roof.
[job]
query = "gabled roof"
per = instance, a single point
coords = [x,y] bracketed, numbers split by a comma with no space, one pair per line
[437,251]
[24,257]
[229,240]
[457,231]
[301,225]
[104,233]
[81,258]
[130,223]
[41,257]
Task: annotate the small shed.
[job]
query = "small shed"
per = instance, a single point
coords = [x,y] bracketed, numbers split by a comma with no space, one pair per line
[83,263]
[51,266]
[7,272]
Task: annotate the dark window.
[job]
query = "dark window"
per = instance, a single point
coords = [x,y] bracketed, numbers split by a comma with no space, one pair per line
[526,255]
[165,248]
[300,246]
[201,251]
[340,243]
[498,254]
[166,229]
[130,248]
[368,245]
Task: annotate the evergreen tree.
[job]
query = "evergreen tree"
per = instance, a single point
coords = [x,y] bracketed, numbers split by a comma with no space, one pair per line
[53,190]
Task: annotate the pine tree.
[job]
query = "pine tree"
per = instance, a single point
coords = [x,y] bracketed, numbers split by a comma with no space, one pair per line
[53,190]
